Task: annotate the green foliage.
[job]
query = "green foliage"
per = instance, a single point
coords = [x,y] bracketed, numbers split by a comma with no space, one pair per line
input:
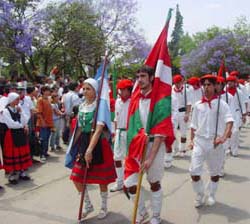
[174,44]
[186,44]
[126,70]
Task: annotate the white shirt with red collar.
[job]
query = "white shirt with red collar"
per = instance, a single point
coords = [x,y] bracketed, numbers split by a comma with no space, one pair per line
[179,100]
[204,118]
[196,94]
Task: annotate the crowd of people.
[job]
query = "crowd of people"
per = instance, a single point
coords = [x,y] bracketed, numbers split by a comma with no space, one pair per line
[33,118]
[207,113]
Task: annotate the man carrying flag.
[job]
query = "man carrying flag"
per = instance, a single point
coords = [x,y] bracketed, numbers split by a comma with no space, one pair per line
[150,128]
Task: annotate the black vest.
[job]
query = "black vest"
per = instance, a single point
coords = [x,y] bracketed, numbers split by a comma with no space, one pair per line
[18,135]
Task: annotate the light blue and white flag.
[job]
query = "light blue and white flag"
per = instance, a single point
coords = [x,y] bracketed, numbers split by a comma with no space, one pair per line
[104,113]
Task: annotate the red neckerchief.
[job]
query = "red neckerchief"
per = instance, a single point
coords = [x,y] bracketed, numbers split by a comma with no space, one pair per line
[205,100]
[147,96]
[232,90]
[178,90]
[124,99]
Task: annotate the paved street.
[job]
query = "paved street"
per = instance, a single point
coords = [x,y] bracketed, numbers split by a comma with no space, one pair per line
[51,199]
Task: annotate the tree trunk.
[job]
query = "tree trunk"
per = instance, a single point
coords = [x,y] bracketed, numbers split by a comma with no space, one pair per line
[45,66]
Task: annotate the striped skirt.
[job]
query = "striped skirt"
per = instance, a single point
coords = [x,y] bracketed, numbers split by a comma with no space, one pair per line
[97,174]
[15,158]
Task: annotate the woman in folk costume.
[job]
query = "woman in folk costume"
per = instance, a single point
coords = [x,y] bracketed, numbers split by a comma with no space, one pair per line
[94,153]
[16,150]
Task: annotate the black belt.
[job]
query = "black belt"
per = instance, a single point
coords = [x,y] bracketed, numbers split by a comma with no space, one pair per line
[151,138]
[182,109]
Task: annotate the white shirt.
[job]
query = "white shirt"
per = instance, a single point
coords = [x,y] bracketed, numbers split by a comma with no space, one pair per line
[204,118]
[248,95]
[196,94]
[144,105]
[121,112]
[27,105]
[7,119]
[70,99]
[178,98]
[243,89]
[239,101]
[60,92]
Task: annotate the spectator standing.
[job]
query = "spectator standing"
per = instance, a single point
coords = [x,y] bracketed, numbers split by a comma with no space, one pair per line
[44,121]
[57,120]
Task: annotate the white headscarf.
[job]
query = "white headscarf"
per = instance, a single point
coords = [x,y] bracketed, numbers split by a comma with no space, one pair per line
[93,83]
[12,97]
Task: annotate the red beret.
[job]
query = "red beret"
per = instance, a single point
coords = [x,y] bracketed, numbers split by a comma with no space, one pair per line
[124,83]
[208,76]
[193,80]
[177,78]
[234,73]
[231,78]
[220,79]
[241,81]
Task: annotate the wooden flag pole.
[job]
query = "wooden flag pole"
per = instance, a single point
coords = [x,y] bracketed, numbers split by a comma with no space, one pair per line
[138,188]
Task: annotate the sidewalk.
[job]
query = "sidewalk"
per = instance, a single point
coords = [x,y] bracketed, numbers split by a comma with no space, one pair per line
[50,197]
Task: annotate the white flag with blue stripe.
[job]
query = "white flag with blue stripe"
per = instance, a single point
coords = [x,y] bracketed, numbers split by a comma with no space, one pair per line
[104,113]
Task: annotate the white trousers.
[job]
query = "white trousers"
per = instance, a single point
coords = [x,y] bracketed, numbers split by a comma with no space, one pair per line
[178,121]
[155,172]
[204,151]
[120,145]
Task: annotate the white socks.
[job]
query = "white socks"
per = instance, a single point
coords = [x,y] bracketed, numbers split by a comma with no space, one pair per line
[104,200]
[141,204]
[198,187]
[119,172]
[156,202]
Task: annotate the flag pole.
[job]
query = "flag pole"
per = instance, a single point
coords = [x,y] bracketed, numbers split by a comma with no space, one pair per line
[91,135]
[141,172]
[139,183]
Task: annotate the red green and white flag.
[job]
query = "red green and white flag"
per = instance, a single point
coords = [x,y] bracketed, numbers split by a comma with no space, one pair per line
[159,118]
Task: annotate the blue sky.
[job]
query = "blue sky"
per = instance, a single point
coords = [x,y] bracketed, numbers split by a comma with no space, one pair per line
[198,14]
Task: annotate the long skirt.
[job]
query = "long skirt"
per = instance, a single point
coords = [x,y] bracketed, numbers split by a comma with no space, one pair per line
[97,174]
[15,158]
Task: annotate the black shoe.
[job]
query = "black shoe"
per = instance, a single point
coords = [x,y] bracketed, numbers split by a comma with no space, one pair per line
[47,155]
[35,161]
[52,149]
[14,182]
[24,177]
[58,148]
[1,188]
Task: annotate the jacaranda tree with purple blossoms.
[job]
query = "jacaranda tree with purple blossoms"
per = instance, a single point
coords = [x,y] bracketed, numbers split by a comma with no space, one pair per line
[17,29]
[206,58]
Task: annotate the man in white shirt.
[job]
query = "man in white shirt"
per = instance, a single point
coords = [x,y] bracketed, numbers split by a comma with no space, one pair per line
[194,89]
[181,100]
[155,151]
[70,100]
[124,88]
[211,125]
[26,102]
[228,98]
[239,113]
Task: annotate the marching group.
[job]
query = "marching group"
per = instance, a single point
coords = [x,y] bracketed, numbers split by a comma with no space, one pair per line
[207,113]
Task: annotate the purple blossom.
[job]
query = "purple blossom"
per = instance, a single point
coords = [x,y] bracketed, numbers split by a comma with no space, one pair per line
[207,57]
